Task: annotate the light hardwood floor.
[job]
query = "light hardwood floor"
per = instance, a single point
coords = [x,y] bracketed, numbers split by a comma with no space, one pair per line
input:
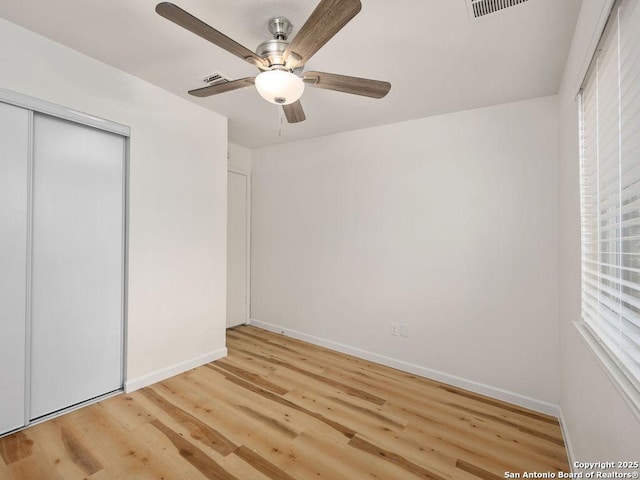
[277,408]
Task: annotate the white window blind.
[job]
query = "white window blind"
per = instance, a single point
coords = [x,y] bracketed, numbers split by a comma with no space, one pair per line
[610,192]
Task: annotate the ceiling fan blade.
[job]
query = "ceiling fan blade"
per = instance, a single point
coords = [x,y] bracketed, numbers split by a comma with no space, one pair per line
[325,21]
[184,19]
[347,84]
[223,87]
[294,112]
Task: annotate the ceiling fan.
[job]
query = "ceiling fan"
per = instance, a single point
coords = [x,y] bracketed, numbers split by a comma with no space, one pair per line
[281,80]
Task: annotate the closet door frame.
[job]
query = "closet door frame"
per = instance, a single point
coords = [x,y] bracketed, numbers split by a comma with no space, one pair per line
[41,106]
[14,195]
[247,290]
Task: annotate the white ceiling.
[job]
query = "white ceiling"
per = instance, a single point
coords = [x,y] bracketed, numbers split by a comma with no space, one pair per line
[435,57]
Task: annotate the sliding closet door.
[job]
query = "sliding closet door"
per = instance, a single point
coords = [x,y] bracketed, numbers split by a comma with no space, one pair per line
[77,264]
[14,153]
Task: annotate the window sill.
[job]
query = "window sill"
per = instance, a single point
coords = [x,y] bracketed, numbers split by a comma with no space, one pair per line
[627,389]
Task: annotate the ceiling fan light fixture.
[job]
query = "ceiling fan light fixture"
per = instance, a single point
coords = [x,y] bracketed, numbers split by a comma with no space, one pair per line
[278,59]
[279,86]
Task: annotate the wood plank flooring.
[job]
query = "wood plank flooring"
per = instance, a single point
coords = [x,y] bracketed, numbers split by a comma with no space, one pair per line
[280,409]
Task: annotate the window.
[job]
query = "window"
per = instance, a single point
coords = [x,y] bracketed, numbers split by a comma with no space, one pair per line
[610,197]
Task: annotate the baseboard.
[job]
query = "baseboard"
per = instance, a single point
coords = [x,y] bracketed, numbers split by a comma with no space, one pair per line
[497,393]
[159,375]
[567,439]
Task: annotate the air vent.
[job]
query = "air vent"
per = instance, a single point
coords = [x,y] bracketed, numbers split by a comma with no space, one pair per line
[216,78]
[482,8]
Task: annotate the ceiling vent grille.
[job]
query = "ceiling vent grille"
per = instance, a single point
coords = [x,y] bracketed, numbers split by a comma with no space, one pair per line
[482,8]
[216,78]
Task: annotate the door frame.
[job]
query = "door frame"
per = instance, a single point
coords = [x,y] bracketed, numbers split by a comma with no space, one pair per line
[247,174]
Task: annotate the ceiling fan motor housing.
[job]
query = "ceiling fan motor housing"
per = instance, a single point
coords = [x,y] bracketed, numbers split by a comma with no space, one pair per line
[272,51]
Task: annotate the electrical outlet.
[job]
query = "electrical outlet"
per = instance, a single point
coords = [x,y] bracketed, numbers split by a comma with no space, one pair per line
[394,328]
[404,330]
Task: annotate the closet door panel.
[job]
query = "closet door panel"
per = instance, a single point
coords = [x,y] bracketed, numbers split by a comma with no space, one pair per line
[14,155]
[77,264]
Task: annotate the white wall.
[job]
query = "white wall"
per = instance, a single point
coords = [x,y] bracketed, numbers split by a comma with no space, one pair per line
[598,422]
[177,241]
[447,224]
[239,157]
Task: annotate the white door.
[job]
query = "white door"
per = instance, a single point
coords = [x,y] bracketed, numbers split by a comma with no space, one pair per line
[77,264]
[14,154]
[237,249]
